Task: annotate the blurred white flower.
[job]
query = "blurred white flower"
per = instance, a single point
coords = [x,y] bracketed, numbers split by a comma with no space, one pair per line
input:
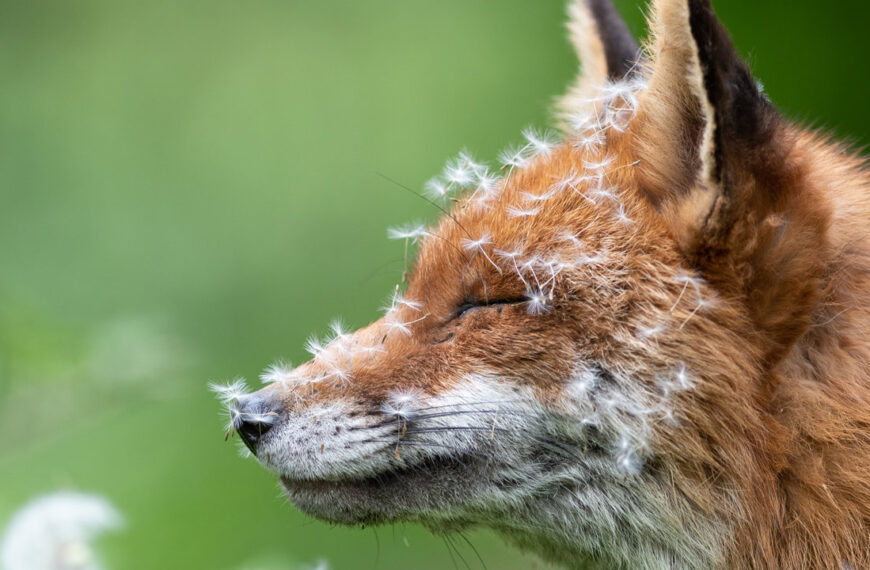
[54,532]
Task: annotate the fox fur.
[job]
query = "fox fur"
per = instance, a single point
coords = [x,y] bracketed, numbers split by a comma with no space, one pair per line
[644,341]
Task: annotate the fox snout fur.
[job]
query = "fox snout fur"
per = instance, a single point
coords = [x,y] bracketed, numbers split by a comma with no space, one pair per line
[641,338]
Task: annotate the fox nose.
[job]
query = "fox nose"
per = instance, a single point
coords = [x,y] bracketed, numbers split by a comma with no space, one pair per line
[253,416]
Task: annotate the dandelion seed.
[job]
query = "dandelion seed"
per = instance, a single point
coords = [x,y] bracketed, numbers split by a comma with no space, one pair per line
[337,373]
[402,404]
[590,142]
[513,157]
[540,143]
[622,216]
[339,333]
[628,457]
[436,188]
[512,256]
[371,350]
[462,170]
[514,212]
[398,300]
[686,279]
[411,232]
[626,91]
[530,197]
[582,383]
[486,186]
[647,332]
[314,346]
[476,245]
[586,259]
[682,377]
[598,165]
[583,122]
[469,244]
[487,182]
[279,372]
[569,237]
[393,323]
[601,193]
[228,393]
[569,180]
[536,302]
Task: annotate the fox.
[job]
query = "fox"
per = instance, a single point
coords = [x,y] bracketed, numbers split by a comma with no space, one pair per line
[641,340]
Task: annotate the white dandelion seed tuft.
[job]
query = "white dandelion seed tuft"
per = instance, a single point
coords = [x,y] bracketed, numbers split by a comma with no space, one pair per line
[540,143]
[55,532]
[394,322]
[314,346]
[436,188]
[622,216]
[278,372]
[398,301]
[513,157]
[645,333]
[684,381]
[538,198]
[402,404]
[463,170]
[469,244]
[339,333]
[598,164]
[590,141]
[628,455]
[582,382]
[228,393]
[536,302]
[514,212]
[569,237]
[412,232]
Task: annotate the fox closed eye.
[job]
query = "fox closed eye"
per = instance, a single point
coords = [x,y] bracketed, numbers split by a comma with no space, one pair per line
[472,305]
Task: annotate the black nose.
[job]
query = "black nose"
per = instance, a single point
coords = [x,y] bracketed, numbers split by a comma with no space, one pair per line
[253,416]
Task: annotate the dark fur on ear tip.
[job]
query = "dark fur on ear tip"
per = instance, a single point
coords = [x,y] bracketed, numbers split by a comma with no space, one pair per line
[621,49]
[743,112]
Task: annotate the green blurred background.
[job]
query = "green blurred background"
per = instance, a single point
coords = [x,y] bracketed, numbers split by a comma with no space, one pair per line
[189,189]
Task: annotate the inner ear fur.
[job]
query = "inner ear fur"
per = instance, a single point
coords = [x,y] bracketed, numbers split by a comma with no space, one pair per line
[717,162]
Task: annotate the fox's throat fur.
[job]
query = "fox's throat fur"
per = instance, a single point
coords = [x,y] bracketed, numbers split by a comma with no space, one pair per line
[644,340]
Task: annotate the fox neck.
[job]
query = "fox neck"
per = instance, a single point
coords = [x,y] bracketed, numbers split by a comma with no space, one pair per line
[626,529]
[821,498]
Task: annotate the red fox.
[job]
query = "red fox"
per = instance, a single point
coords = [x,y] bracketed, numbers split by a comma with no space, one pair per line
[644,340]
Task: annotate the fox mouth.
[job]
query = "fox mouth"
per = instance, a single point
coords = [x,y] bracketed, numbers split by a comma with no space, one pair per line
[395,494]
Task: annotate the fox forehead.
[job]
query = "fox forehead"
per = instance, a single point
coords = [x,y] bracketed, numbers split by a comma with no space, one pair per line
[556,207]
[561,229]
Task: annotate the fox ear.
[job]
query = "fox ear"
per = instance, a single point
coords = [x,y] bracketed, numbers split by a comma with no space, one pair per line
[605,47]
[722,169]
[703,121]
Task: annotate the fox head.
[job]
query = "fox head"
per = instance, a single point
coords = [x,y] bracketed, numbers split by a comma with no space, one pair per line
[582,357]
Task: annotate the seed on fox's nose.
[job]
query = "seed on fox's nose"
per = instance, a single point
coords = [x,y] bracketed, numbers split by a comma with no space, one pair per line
[253,416]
